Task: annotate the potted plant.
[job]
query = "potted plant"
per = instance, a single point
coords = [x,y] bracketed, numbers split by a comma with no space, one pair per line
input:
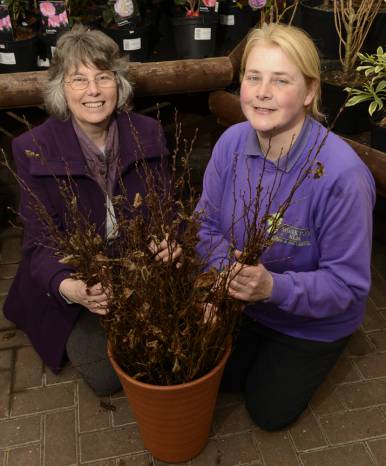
[169,324]
[275,11]
[18,37]
[317,18]
[194,26]
[83,11]
[54,20]
[236,18]
[373,90]
[123,22]
[352,23]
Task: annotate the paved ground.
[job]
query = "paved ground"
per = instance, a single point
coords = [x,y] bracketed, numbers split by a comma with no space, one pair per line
[48,420]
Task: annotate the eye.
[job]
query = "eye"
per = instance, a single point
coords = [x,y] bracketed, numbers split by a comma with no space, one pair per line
[79,80]
[104,78]
[281,81]
[252,77]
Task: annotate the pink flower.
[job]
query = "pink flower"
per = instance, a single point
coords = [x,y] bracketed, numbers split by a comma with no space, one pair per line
[63,18]
[53,21]
[47,9]
[257,4]
[209,3]
[7,22]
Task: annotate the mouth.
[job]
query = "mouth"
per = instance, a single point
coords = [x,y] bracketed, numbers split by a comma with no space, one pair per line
[93,105]
[263,110]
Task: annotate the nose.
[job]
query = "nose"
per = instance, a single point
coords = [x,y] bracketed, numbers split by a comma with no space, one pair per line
[264,90]
[92,88]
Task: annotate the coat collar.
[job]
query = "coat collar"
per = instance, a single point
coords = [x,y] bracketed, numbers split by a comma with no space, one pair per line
[65,157]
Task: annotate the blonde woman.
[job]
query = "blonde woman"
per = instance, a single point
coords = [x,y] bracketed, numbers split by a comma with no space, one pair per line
[308,292]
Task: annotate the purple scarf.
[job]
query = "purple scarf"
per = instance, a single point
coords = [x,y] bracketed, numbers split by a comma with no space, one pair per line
[102,166]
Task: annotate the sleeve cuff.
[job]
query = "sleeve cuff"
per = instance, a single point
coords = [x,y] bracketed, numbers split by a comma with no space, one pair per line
[54,285]
[281,288]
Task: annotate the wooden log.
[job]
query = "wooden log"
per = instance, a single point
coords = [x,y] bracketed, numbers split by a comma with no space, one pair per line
[375,160]
[153,78]
[226,107]
[235,57]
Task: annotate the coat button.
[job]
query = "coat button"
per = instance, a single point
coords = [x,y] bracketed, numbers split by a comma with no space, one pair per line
[49,295]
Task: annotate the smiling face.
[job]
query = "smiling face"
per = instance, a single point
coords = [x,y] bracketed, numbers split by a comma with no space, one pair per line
[273,93]
[93,106]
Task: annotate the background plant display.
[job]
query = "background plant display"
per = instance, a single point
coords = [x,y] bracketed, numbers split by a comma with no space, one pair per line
[197,7]
[120,12]
[374,89]
[352,22]
[5,24]
[274,11]
[54,16]
[16,19]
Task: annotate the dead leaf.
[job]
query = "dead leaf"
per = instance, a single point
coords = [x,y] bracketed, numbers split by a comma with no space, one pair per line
[137,201]
[107,406]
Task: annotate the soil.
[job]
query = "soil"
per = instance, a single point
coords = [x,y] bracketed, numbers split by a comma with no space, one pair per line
[26,30]
[23,33]
[338,78]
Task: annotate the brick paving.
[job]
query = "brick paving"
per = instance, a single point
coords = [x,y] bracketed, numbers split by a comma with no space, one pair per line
[55,420]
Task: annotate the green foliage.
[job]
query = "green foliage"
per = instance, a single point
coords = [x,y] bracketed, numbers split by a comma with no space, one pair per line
[108,14]
[374,89]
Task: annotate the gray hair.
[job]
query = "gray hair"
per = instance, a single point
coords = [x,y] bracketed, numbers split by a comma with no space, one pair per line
[86,47]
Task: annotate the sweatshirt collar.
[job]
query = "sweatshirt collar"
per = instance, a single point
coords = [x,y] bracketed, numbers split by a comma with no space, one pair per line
[287,161]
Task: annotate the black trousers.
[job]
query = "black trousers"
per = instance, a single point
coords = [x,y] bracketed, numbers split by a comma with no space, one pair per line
[277,373]
[87,350]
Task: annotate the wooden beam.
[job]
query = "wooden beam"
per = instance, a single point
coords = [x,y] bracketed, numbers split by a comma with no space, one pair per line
[235,57]
[153,78]
[226,107]
[375,160]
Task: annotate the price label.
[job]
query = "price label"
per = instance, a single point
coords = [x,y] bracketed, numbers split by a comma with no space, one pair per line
[227,20]
[7,58]
[202,33]
[132,44]
[43,62]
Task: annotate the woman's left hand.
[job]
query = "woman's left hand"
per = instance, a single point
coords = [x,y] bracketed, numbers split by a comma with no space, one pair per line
[249,282]
[165,251]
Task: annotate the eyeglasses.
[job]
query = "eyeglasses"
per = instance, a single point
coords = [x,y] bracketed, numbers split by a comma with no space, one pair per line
[79,83]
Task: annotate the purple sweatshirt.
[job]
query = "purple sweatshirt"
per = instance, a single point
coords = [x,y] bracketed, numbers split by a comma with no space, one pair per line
[320,258]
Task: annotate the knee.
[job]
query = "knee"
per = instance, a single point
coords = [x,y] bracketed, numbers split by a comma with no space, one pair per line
[270,417]
[103,387]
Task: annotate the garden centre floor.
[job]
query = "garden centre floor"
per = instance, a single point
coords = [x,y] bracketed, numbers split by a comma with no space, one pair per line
[52,420]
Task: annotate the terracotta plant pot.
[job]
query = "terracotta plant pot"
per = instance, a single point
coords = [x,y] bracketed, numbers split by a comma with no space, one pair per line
[174,420]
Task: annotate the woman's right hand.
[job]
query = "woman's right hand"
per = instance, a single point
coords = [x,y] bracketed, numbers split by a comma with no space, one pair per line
[93,298]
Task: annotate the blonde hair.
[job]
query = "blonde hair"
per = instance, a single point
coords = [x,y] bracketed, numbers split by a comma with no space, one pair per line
[300,49]
[86,47]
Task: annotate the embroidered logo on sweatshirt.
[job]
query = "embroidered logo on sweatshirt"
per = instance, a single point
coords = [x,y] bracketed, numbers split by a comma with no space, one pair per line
[290,234]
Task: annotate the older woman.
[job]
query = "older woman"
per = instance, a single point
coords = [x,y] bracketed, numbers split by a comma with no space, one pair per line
[307,294]
[91,139]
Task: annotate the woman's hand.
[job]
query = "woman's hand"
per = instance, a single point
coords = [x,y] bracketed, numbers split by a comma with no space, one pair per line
[165,251]
[93,298]
[249,282]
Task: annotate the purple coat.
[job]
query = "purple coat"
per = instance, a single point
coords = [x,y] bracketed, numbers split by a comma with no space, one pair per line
[33,302]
